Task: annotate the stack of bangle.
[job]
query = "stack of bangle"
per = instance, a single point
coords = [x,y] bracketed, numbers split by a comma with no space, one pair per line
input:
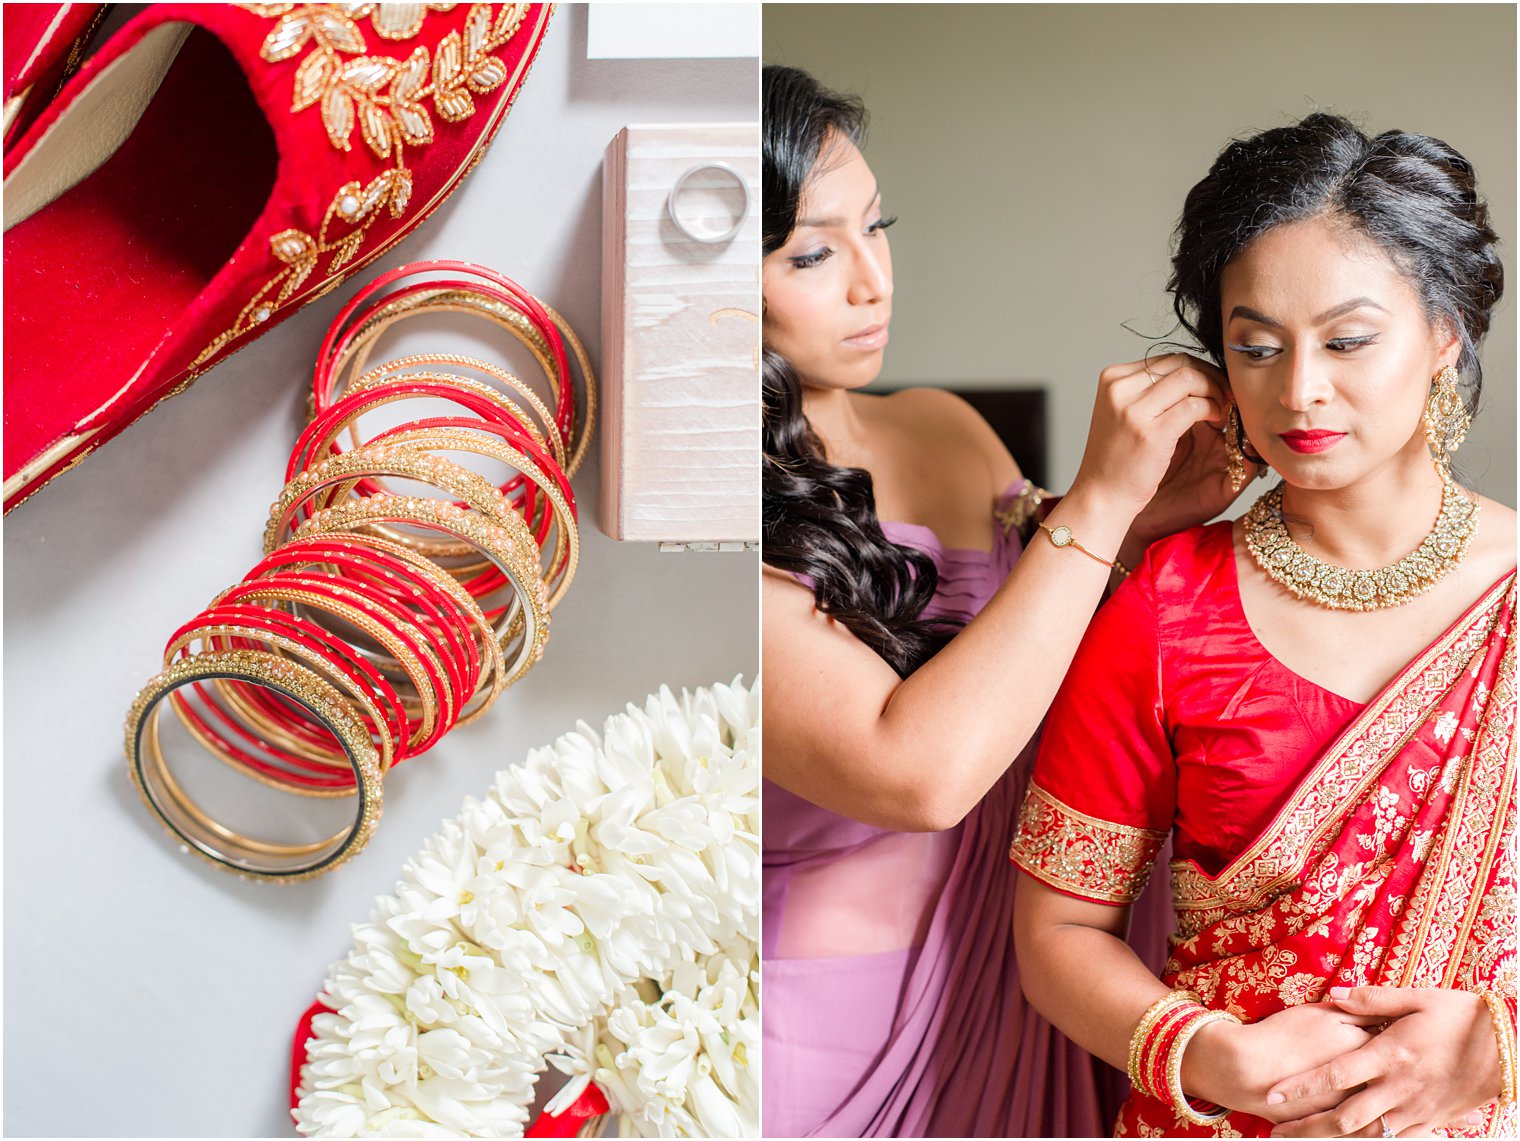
[1156,1048]
[1501,1008]
[379,620]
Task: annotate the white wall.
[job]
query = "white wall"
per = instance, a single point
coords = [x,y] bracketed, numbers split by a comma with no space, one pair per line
[1038,156]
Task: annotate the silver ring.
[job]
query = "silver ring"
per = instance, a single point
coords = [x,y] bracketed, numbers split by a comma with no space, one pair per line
[708,238]
[1383,1121]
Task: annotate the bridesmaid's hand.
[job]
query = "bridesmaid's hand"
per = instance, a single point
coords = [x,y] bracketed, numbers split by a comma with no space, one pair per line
[1143,409]
[1436,1063]
[1196,486]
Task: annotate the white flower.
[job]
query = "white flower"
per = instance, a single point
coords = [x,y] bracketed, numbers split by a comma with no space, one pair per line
[1446,726]
[597,909]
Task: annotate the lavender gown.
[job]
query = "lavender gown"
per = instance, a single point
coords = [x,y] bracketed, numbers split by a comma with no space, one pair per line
[892,1003]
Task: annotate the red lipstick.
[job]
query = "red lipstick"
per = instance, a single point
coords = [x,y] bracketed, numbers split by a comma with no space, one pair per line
[1316,441]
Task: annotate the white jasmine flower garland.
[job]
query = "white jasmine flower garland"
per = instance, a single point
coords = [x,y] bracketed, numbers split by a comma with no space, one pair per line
[599,908]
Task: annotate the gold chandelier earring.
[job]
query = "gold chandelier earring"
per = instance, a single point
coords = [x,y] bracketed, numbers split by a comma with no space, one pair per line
[1446,419]
[1235,455]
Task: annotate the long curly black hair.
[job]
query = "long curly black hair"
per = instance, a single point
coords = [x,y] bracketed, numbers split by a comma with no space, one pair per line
[819,520]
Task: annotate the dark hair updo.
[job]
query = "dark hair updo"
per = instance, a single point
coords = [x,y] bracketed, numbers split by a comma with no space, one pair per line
[1414,196]
[820,520]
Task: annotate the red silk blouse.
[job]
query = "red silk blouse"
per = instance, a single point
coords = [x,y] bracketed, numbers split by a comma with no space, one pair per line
[1173,719]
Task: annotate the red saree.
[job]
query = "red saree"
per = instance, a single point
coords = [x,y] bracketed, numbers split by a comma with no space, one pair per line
[1388,859]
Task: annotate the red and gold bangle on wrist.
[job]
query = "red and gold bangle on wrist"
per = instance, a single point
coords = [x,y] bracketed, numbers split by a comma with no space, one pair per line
[1206,1114]
[1162,1038]
[1142,1041]
[1501,1010]
[1156,1050]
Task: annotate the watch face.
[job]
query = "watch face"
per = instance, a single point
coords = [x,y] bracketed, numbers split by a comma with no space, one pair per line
[1061,536]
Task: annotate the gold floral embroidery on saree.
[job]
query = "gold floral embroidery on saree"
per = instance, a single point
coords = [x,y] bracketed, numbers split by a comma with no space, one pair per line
[1450,936]
[1272,866]
[386,99]
[1077,853]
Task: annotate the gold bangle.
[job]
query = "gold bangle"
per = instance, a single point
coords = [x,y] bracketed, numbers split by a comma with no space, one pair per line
[320,449]
[204,835]
[565,555]
[1140,1039]
[1184,1108]
[1501,1011]
[353,608]
[212,639]
[1062,537]
[546,431]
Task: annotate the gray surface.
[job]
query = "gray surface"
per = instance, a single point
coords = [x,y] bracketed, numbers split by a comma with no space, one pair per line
[149,994]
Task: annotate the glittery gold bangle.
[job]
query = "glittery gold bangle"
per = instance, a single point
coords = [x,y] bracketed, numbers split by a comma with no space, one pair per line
[1502,1012]
[323,485]
[545,430]
[205,836]
[1154,1054]
[1142,1035]
[354,356]
[331,480]
[1180,1103]
[320,448]
[587,421]
[565,554]
[210,637]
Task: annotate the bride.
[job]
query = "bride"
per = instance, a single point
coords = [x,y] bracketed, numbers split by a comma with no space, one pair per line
[1315,703]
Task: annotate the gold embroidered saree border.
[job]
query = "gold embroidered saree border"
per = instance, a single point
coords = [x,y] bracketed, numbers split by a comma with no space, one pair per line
[1088,857]
[1433,946]
[1274,860]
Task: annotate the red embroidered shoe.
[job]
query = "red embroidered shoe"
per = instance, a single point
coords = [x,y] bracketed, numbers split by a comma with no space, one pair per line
[43,44]
[209,171]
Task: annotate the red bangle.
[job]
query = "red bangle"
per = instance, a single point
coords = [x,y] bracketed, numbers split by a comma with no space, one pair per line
[346,604]
[339,656]
[505,290]
[380,572]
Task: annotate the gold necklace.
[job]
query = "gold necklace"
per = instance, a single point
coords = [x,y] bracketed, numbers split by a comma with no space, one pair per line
[1340,588]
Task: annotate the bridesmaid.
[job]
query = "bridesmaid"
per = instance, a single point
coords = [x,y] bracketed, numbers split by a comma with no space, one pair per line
[912,646]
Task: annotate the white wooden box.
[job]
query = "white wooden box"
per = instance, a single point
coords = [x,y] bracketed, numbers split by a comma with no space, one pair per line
[681,339]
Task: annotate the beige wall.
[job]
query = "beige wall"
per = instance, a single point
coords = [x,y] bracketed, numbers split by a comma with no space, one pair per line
[1038,156]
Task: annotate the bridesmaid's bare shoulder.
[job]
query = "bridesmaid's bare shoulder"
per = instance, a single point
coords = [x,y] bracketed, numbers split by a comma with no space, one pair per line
[947,425]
